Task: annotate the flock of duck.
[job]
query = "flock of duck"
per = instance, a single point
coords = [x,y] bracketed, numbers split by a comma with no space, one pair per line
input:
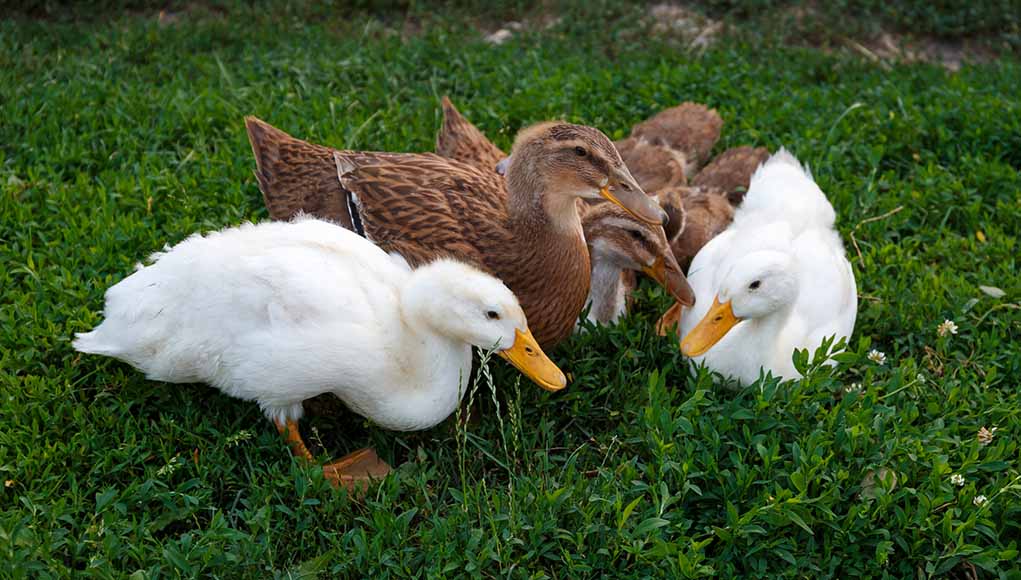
[379,272]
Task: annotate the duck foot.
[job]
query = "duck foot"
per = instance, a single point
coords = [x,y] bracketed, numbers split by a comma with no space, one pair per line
[356,470]
[669,320]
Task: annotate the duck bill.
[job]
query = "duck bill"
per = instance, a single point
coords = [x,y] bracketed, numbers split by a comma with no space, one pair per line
[714,325]
[670,277]
[527,357]
[623,190]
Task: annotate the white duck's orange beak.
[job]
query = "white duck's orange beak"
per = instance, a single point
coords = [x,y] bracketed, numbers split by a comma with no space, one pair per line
[527,357]
[714,325]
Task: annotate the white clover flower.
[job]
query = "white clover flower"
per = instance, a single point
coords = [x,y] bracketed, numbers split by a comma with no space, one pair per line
[957,479]
[985,436]
[947,327]
[877,357]
[980,500]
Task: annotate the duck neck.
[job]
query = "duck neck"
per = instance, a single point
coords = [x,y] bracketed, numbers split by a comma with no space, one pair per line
[767,332]
[546,263]
[606,298]
[431,371]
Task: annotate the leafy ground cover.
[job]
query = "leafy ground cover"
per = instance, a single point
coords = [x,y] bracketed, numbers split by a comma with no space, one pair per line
[120,136]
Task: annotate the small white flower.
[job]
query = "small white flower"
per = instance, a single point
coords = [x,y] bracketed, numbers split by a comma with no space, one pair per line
[947,327]
[877,357]
[980,500]
[853,388]
[957,479]
[920,378]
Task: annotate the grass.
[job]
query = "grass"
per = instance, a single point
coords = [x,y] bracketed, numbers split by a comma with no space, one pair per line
[120,137]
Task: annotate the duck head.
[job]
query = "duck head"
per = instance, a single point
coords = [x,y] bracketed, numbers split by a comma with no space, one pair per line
[556,163]
[463,304]
[759,285]
[619,238]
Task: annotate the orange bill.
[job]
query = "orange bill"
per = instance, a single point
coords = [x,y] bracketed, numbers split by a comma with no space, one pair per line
[527,357]
[670,277]
[714,325]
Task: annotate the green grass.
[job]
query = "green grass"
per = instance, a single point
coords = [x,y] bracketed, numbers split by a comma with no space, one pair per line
[118,138]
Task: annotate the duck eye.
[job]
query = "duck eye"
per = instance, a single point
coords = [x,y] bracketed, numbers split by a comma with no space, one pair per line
[492,315]
[635,235]
[754,285]
[580,151]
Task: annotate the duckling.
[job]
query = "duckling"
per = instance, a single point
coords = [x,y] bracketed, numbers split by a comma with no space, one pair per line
[280,312]
[524,229]
[776,280]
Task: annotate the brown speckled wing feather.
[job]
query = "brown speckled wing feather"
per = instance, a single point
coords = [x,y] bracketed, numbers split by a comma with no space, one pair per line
[689,128]
[296,176]
[459,139]
[731,171]
[415,204]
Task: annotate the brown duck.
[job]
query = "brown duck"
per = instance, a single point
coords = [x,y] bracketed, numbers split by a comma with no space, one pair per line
[526,232]
[619,244]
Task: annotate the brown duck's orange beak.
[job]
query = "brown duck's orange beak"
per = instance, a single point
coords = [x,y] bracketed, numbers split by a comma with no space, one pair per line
[669,276]
[714,325]
[527,357]
[623,190]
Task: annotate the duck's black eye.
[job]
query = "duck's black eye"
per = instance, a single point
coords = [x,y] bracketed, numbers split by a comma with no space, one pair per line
[754,285]
[635,235]
[580,151]
[493,315]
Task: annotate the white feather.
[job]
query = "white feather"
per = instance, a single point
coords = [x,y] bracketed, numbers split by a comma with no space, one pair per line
[281,312]
[784,214]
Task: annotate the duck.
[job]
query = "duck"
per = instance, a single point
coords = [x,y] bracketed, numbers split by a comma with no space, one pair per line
[524,229]
[687,132]
[280,312]
[777,279]
[619,244]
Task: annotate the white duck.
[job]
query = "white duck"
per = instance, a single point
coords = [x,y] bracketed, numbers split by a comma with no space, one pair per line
[776,280]
[280,312]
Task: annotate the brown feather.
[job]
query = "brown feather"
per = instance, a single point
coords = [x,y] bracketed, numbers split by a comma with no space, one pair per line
[731,172]
[654,166]
[296,176]
[459,139]
[690,129]
[705,213]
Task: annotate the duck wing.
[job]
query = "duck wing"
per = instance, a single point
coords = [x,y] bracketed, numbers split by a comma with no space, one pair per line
[416,204]
[296,176]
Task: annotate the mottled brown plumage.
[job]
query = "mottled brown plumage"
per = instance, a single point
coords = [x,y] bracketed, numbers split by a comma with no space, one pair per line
[621,245]
[730,172]
[608,228]
[654,166]
[459,139]
[701,213]
[691,129]
[422,206]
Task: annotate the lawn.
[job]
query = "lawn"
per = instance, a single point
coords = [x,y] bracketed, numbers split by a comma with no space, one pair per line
[119,136]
